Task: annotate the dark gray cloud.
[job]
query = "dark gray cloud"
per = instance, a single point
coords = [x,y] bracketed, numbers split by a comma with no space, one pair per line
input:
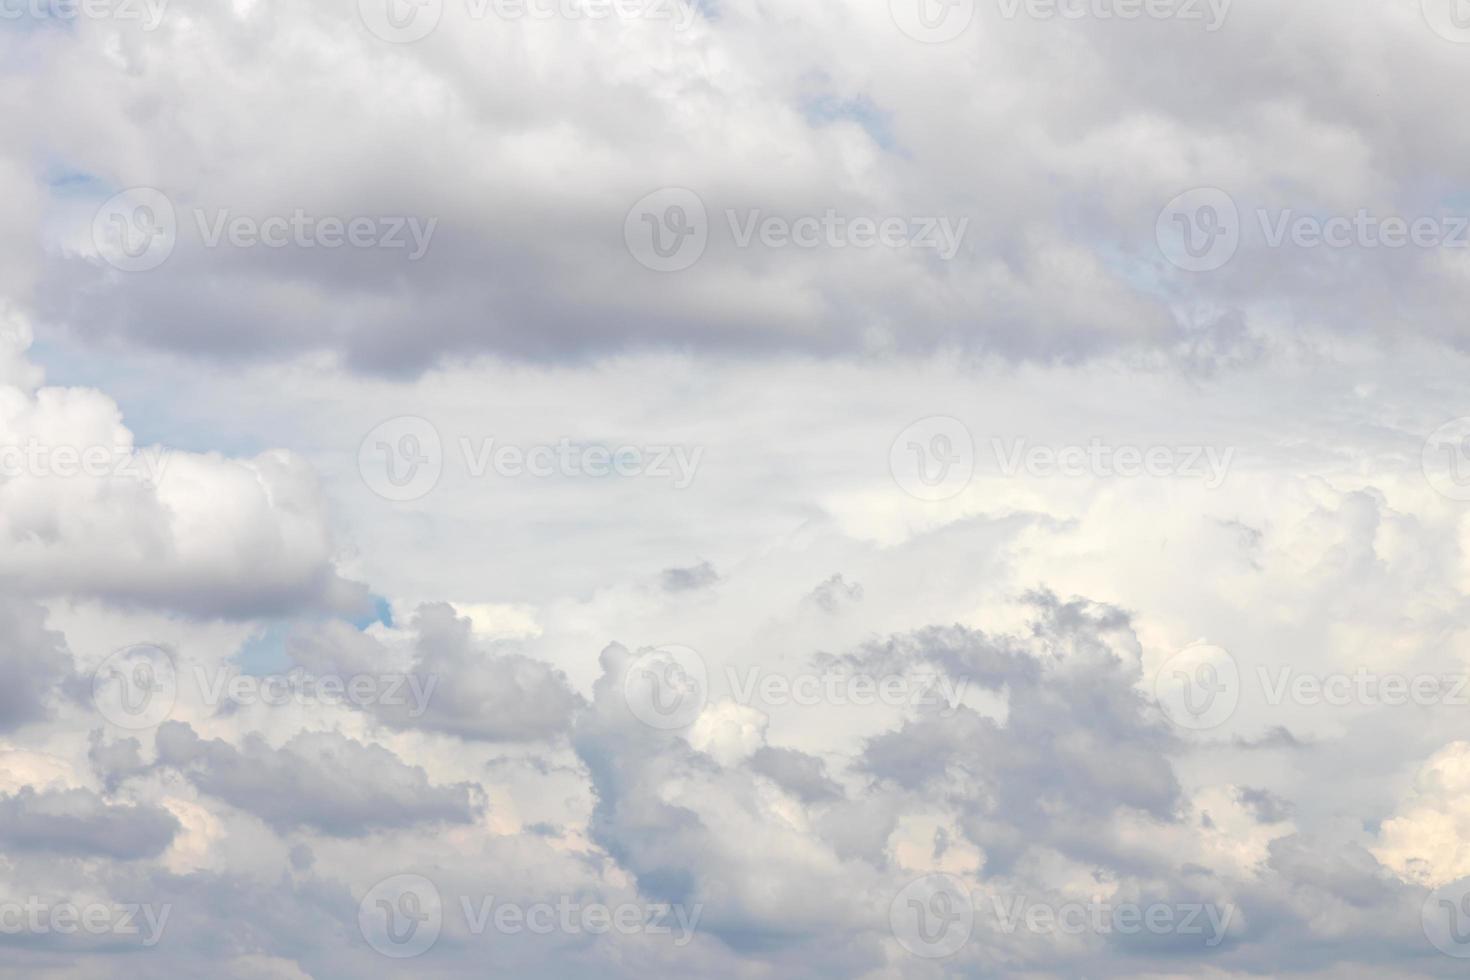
[79,823]
[461,685]
[688,579]
[33,662]
[317,781]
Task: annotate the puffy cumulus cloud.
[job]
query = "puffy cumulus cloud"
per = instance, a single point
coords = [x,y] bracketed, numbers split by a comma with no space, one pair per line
[512,134]
[85,512]
[78,822]
[1424,841]
[457,684]
[320,781]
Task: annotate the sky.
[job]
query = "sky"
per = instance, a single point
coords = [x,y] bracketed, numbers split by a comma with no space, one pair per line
[645,488]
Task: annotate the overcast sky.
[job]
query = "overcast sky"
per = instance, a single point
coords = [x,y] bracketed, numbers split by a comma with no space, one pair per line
[656,488]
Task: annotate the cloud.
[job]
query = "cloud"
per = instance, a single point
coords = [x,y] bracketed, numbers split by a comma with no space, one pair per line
[78,822]
[324,782]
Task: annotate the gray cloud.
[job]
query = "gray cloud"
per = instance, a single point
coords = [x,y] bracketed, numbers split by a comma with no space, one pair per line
[319,781]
